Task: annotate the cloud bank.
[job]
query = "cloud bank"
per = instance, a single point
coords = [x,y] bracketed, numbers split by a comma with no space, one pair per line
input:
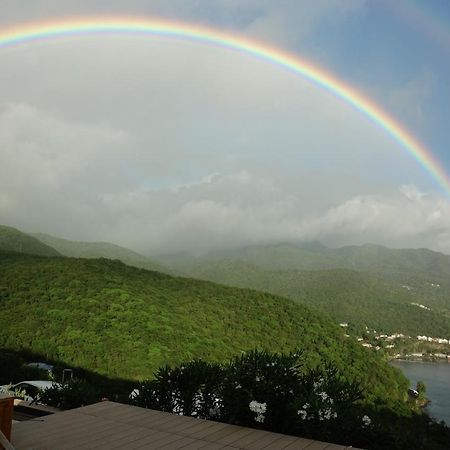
[167,146]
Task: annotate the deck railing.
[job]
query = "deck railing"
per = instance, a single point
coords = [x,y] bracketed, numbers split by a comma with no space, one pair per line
[4,443]
[6,413]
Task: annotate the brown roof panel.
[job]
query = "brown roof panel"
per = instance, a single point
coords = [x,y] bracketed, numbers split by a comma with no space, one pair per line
[113,426]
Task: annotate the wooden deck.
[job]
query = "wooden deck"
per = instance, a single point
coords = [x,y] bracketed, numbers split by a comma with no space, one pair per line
[24,410]
[109,425]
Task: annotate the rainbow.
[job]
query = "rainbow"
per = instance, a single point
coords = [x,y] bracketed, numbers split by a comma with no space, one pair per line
[33,32]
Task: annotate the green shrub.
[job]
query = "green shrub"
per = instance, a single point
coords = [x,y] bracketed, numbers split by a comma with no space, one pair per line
[72,394]
[191,389]
[13,369]
[261,390]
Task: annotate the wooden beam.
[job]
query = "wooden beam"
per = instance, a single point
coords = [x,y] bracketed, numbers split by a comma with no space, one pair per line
[4,443]
[6,415]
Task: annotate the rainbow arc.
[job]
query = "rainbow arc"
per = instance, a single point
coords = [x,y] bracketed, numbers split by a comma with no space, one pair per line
[33,32]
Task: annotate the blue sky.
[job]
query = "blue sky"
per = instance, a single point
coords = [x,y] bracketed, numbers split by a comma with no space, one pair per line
[179,142]
[391,52]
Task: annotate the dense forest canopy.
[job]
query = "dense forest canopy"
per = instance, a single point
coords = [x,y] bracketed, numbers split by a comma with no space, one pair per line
[118,320]
[365,285]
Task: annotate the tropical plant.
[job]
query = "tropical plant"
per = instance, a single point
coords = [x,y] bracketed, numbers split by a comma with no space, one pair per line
[72,394]
[262,390]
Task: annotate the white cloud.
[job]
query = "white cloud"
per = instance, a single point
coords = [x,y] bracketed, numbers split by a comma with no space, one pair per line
[408,218]
[80,193]
[243,209]
[39,150]
[167,146]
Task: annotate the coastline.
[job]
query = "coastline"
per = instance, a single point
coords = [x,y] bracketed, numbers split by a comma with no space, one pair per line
[427,359]
[435,374]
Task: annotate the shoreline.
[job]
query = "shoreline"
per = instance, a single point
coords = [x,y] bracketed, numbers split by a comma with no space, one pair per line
[417,359]
[434,373]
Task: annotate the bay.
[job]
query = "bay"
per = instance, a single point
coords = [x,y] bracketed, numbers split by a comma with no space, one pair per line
[436,377]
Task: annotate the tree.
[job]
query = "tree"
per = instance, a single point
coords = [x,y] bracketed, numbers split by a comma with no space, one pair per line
[421,389]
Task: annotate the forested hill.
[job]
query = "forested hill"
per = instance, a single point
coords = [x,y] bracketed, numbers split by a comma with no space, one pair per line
[315,256]
[122,321]
[79,249]
[358,298]
[13,240]
[366,285]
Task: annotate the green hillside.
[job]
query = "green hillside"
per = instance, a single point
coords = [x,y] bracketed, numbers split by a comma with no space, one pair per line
[364,285]
[358,298]
[308,256]
[121,321]
[315,256]
[13,240]
[107,250]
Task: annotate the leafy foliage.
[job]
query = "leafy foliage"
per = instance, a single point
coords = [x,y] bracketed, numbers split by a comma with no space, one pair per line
[13,369]
[190,389]
[275,392]
[113,319]
[258,389]
[72,394]
[360,298]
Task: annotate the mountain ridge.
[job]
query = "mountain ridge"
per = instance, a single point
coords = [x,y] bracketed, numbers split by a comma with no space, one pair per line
[98,249]
[315,255]
[14,240]
[368,285]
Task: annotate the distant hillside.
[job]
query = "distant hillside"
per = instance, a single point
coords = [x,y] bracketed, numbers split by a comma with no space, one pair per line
[118,320]
[98,250]
[394,262]
[315,256]
[367,285]
[13,240]
[358,298]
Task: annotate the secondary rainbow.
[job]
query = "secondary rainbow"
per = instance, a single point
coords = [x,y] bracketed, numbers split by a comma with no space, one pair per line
[28,33]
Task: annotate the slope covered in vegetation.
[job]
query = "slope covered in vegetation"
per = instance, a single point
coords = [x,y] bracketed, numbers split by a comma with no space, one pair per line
[107,250]
[359,298]
[395,264]
[121,321]
[366,285]
[316,256]
[13,240]
[272,392]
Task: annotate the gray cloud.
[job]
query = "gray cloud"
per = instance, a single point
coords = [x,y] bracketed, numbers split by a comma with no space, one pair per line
[167,146]
[243,208]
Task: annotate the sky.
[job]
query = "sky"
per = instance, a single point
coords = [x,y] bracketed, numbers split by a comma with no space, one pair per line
[166,145]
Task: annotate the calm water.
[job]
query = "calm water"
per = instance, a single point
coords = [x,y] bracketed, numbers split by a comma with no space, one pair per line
[436,377]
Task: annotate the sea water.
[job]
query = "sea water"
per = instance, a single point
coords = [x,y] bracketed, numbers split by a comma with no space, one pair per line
[436,377]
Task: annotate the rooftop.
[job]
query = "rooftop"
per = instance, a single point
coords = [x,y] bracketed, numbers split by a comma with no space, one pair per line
[109,425]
